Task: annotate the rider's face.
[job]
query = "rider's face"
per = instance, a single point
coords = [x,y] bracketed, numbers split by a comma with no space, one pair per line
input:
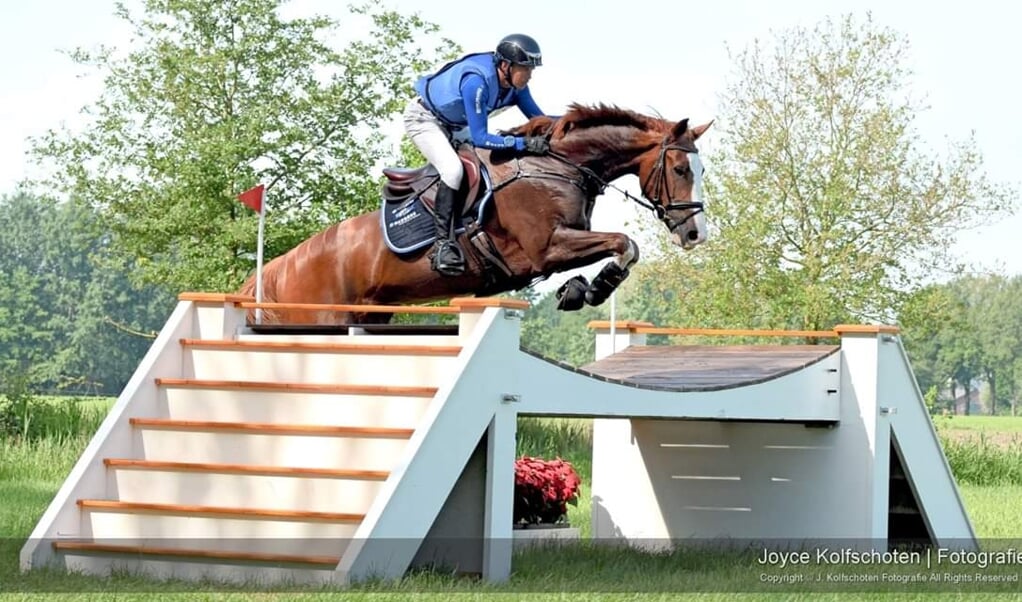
[520,75]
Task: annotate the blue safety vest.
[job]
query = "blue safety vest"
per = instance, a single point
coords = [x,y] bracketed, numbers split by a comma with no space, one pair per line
[441,91]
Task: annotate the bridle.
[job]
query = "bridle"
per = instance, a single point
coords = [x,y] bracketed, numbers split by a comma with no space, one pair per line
[659,177]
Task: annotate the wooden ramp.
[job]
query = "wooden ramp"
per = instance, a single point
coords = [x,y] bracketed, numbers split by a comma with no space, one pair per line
[705,367]
[872,477]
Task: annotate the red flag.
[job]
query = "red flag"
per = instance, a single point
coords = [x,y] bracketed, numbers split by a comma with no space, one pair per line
[253,198]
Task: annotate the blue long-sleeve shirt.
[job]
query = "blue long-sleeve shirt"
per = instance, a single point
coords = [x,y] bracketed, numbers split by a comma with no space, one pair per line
[475,94]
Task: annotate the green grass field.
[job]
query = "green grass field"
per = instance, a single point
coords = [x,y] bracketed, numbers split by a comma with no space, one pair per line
[1000,425]
[31,472]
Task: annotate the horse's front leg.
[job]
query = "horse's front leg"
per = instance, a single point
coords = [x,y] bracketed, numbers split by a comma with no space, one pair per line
[575,248]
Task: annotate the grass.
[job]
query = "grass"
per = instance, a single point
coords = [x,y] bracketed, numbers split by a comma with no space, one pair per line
[32,470]
[994,510]
[980,424]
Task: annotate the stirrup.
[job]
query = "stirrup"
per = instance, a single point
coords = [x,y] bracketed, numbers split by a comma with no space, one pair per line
[448,259]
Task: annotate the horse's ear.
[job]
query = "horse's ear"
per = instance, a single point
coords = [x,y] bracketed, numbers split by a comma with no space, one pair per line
[679,129]
[699,130]
[561,127]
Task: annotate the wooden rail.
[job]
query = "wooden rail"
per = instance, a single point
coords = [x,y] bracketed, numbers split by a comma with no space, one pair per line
[270,428]
[102,548]
[367,309]
[247,469]
[285,387]
[324,347]
[729,332]
[193,510]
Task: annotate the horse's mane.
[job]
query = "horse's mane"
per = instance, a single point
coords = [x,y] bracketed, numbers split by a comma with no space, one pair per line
[580,117]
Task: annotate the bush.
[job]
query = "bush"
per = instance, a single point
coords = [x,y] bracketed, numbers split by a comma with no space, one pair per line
[27,417]
[979,461]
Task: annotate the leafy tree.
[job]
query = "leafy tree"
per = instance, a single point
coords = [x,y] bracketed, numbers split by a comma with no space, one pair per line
[562,336]
[936,333]
[69,319]
[998,323]
[218,96]
[826,206]
[993,313]
[966,332]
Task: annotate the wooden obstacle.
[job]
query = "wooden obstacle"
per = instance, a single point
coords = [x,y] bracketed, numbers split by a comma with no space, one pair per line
[870,474]
[251,454]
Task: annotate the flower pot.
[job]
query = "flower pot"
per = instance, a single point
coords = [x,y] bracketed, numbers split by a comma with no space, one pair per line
[526,536]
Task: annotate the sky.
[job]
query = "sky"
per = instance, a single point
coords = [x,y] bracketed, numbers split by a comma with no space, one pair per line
[646,55]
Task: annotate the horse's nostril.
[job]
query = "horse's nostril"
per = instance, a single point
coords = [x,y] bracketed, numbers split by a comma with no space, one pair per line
[693,235]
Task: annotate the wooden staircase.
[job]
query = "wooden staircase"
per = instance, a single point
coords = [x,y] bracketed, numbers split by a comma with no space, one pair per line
[258,458]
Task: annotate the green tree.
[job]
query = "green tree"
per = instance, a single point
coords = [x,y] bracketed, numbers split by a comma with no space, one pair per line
[563,336]
[994,320]
[936,331]
[824,204]
[69,318]
[965,332]
[218,96]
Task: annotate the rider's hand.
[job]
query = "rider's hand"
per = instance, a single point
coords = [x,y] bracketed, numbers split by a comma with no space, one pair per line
[536,145]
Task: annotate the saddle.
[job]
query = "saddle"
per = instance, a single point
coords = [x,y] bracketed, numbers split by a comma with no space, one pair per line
[408,208]
[404,183]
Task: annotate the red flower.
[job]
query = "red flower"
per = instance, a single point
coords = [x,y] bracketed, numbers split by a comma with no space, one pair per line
[543,490]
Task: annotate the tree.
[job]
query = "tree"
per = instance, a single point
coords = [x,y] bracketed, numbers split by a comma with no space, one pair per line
[825,204]
[994,319]
[562,336]
[939,340]
[217,97]
[69,319]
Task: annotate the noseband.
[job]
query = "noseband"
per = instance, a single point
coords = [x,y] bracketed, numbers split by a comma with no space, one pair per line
[660,184]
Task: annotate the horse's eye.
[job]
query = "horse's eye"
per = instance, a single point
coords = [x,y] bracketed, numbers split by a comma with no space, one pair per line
[681,170]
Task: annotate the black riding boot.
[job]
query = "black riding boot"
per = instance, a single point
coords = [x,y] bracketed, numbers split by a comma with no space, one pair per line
[448,258]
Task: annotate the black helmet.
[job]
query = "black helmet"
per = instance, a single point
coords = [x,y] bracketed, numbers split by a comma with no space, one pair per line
[520,49]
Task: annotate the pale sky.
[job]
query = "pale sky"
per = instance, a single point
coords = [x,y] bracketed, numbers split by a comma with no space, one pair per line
[640,54]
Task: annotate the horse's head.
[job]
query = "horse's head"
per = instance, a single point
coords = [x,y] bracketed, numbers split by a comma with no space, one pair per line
[671,177]
[611,142]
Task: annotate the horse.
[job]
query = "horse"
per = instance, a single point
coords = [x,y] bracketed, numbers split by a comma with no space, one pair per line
[536,221]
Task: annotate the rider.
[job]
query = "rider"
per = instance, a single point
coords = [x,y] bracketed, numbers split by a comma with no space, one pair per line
[462,94]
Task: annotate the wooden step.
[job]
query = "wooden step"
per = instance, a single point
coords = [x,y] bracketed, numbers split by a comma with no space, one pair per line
[293,403]
[342,329]
[79,546]
[164,523]
[443,350]
[383,390]
[193,510]
[191,484]
[366,448]
[274,471]
[273,428]
[323,363]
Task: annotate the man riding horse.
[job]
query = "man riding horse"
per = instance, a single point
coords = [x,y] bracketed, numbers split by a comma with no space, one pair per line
[461,95]
[529,215]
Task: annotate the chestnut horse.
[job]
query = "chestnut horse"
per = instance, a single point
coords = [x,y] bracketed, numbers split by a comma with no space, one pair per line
[538,223]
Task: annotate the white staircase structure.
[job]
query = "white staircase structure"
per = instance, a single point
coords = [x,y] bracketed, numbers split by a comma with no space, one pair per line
[328,458]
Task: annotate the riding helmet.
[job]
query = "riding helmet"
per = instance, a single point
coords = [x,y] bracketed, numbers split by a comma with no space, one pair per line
[520,49]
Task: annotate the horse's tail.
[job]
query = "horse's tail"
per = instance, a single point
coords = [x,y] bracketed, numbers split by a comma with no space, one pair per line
[270,272]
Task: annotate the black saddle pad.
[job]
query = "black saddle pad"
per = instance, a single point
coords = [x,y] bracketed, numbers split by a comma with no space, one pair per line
[408,226]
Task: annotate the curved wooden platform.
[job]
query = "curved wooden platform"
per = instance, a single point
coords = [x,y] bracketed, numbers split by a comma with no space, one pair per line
[704,367]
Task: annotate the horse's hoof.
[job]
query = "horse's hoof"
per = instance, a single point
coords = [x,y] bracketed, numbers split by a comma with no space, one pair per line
[571,295]
[609,278]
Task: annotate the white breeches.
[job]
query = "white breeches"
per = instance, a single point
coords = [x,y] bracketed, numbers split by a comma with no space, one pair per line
[430,136]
